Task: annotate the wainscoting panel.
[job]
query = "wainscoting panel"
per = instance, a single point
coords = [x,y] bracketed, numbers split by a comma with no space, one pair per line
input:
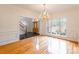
[8,37]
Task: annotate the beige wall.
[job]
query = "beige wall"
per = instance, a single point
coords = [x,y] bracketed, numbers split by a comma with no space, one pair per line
[9,22]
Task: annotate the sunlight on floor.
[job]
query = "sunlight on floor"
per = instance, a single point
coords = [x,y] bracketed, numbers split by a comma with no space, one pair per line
[54,45]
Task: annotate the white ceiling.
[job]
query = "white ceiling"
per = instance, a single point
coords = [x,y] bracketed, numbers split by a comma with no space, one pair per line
[50,7]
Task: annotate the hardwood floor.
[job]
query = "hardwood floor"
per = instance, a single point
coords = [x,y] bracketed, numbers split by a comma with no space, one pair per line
[41,45]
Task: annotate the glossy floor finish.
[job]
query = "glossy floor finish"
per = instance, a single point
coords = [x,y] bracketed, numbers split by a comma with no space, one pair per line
[41,45]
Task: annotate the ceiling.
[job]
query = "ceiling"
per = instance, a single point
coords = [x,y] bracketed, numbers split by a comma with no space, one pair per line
[51,8]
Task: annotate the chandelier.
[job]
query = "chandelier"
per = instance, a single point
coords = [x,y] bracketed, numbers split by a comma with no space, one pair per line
[44,13]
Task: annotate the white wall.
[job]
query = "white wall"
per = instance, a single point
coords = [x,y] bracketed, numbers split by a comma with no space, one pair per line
[9,22]
[72,22]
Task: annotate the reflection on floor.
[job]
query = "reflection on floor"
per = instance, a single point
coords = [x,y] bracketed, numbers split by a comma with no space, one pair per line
[41,45]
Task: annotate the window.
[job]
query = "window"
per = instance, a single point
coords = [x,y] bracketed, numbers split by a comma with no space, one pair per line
[57,26]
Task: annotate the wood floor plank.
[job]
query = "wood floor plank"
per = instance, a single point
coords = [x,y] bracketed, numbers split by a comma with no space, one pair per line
[41,45]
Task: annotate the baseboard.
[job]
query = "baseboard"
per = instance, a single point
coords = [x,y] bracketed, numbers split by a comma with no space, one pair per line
[62,37]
